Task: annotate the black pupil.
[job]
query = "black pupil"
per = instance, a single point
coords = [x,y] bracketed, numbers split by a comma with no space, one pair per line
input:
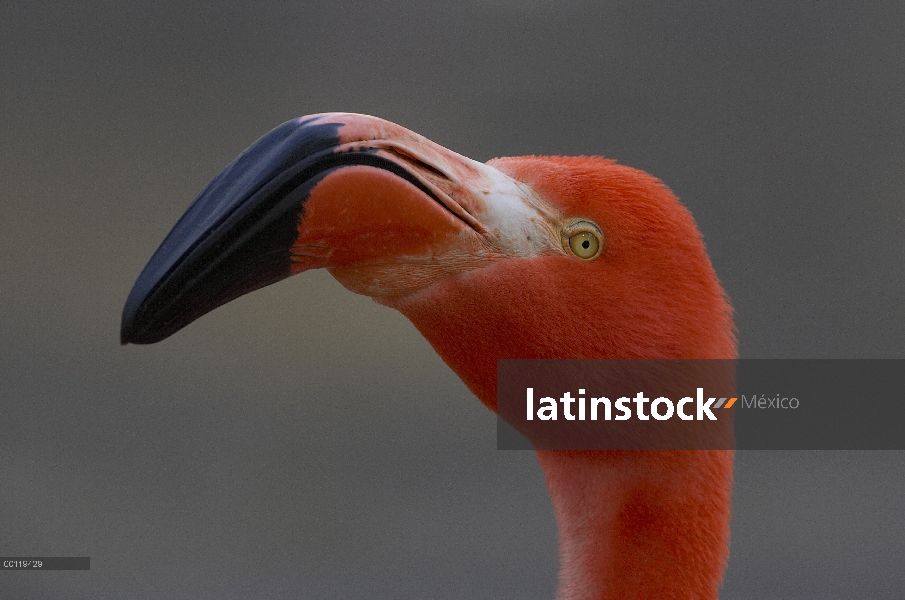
[586,244]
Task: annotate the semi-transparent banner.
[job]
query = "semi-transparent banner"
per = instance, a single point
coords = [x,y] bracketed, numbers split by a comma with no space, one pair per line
[749,404]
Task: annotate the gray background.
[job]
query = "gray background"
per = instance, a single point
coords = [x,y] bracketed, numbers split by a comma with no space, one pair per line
[305,442]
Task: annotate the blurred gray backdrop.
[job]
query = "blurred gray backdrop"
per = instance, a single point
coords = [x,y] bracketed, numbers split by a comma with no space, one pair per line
[305,442]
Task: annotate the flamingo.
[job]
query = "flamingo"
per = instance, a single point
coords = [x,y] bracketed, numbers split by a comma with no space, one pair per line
[527,257]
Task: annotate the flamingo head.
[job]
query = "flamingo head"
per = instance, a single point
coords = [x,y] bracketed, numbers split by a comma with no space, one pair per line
[528,257]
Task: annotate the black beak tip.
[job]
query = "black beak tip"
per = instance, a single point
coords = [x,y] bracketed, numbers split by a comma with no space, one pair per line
[139,325]
[127,325]
[128,332]
[237,235]
[133,335]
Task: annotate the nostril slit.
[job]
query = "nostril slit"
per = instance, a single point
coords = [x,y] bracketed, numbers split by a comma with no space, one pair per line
[417,162]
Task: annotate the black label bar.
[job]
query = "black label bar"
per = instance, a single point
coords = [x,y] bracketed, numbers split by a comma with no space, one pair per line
[45,563]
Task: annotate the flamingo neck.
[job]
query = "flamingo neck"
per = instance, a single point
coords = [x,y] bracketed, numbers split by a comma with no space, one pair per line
[640,524]
[632,524]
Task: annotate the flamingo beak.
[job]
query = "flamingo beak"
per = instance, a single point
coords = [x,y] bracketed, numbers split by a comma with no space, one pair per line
[385,210]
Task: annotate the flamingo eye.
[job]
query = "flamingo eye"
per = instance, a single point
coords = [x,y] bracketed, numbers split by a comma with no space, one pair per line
[584,239]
